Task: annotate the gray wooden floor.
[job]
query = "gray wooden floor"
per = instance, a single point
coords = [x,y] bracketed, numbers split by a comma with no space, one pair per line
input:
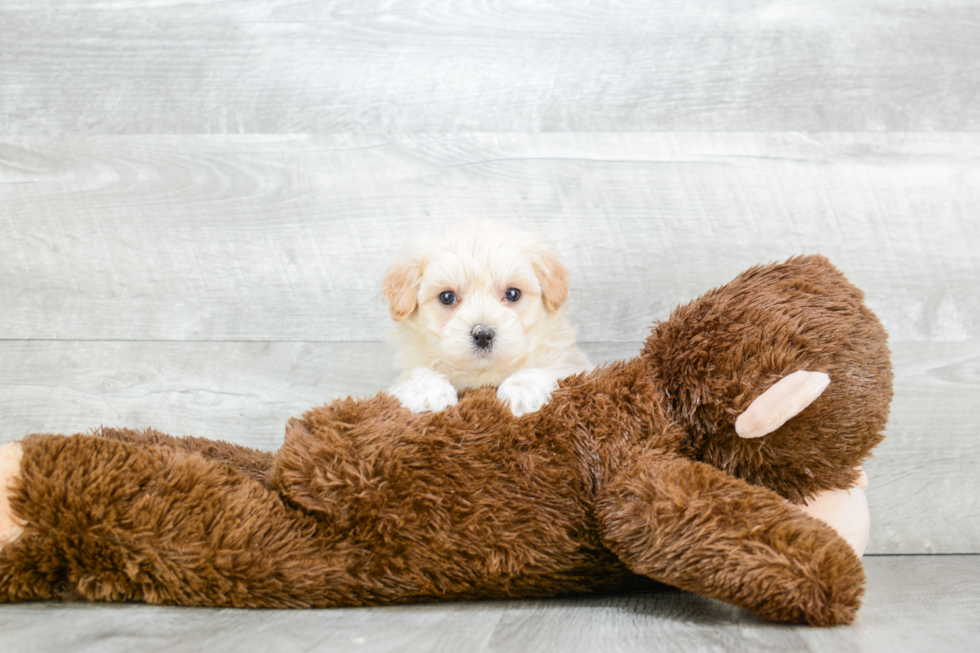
[198,199]
[913,603]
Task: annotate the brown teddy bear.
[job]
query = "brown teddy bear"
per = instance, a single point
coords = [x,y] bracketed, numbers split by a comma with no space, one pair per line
[634,468]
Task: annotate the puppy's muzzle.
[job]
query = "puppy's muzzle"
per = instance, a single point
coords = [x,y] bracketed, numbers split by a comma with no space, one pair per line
[482,337]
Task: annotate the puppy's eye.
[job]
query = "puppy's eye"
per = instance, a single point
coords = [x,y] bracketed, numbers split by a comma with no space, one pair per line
[512,294]
[448,298]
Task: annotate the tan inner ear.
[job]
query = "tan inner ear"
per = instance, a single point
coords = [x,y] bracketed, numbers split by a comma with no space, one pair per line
[553,277]
[400,287]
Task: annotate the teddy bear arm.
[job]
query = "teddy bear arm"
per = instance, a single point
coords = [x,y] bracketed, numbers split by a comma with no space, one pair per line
[115,521]
[691,525]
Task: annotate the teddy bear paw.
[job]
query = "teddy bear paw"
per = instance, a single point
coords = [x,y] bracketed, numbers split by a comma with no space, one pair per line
[846,511]
[425,390]
[10,457]
[527,391]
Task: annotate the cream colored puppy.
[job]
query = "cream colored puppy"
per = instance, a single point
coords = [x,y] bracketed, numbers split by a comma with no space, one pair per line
[481,304]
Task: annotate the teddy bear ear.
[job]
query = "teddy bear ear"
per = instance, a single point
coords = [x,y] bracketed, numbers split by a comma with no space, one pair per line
[553,277]
[400,287]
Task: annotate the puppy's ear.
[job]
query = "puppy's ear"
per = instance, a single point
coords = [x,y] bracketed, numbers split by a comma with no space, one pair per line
[400,287]
[553,277]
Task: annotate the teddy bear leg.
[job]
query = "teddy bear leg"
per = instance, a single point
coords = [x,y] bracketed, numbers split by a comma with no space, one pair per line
[251,462]
[10,527]
[22,577]
[691,525]
[115,521]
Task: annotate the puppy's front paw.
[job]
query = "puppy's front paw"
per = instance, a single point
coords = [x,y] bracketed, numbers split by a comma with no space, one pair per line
[527,390]
[10,456]
[425,389]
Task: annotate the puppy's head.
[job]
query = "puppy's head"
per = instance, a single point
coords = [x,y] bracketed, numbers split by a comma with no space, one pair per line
[475,298]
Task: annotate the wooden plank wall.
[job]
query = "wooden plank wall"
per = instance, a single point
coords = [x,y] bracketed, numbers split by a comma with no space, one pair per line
[198,199]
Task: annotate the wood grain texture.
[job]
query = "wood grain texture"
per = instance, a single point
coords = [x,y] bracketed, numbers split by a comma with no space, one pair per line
[238,391]
[278,66]
[286,237]
[913,603]
[924,495]
[925,491]
[241,392]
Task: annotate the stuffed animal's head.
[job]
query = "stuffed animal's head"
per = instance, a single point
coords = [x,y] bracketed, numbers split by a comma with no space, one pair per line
[714,356]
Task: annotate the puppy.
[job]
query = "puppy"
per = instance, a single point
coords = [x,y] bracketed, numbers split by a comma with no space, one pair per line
[481,304]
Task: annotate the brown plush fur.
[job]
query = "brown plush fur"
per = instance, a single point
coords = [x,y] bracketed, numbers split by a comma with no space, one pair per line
[633,468]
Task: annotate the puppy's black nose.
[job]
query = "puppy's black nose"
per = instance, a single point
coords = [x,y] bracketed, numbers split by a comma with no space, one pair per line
[482,336]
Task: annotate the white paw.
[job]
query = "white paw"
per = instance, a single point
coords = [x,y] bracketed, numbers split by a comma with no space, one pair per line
[10,456]
[424,389]
[527,390]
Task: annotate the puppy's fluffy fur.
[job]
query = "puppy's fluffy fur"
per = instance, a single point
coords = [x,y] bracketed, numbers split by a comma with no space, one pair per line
[460,323]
